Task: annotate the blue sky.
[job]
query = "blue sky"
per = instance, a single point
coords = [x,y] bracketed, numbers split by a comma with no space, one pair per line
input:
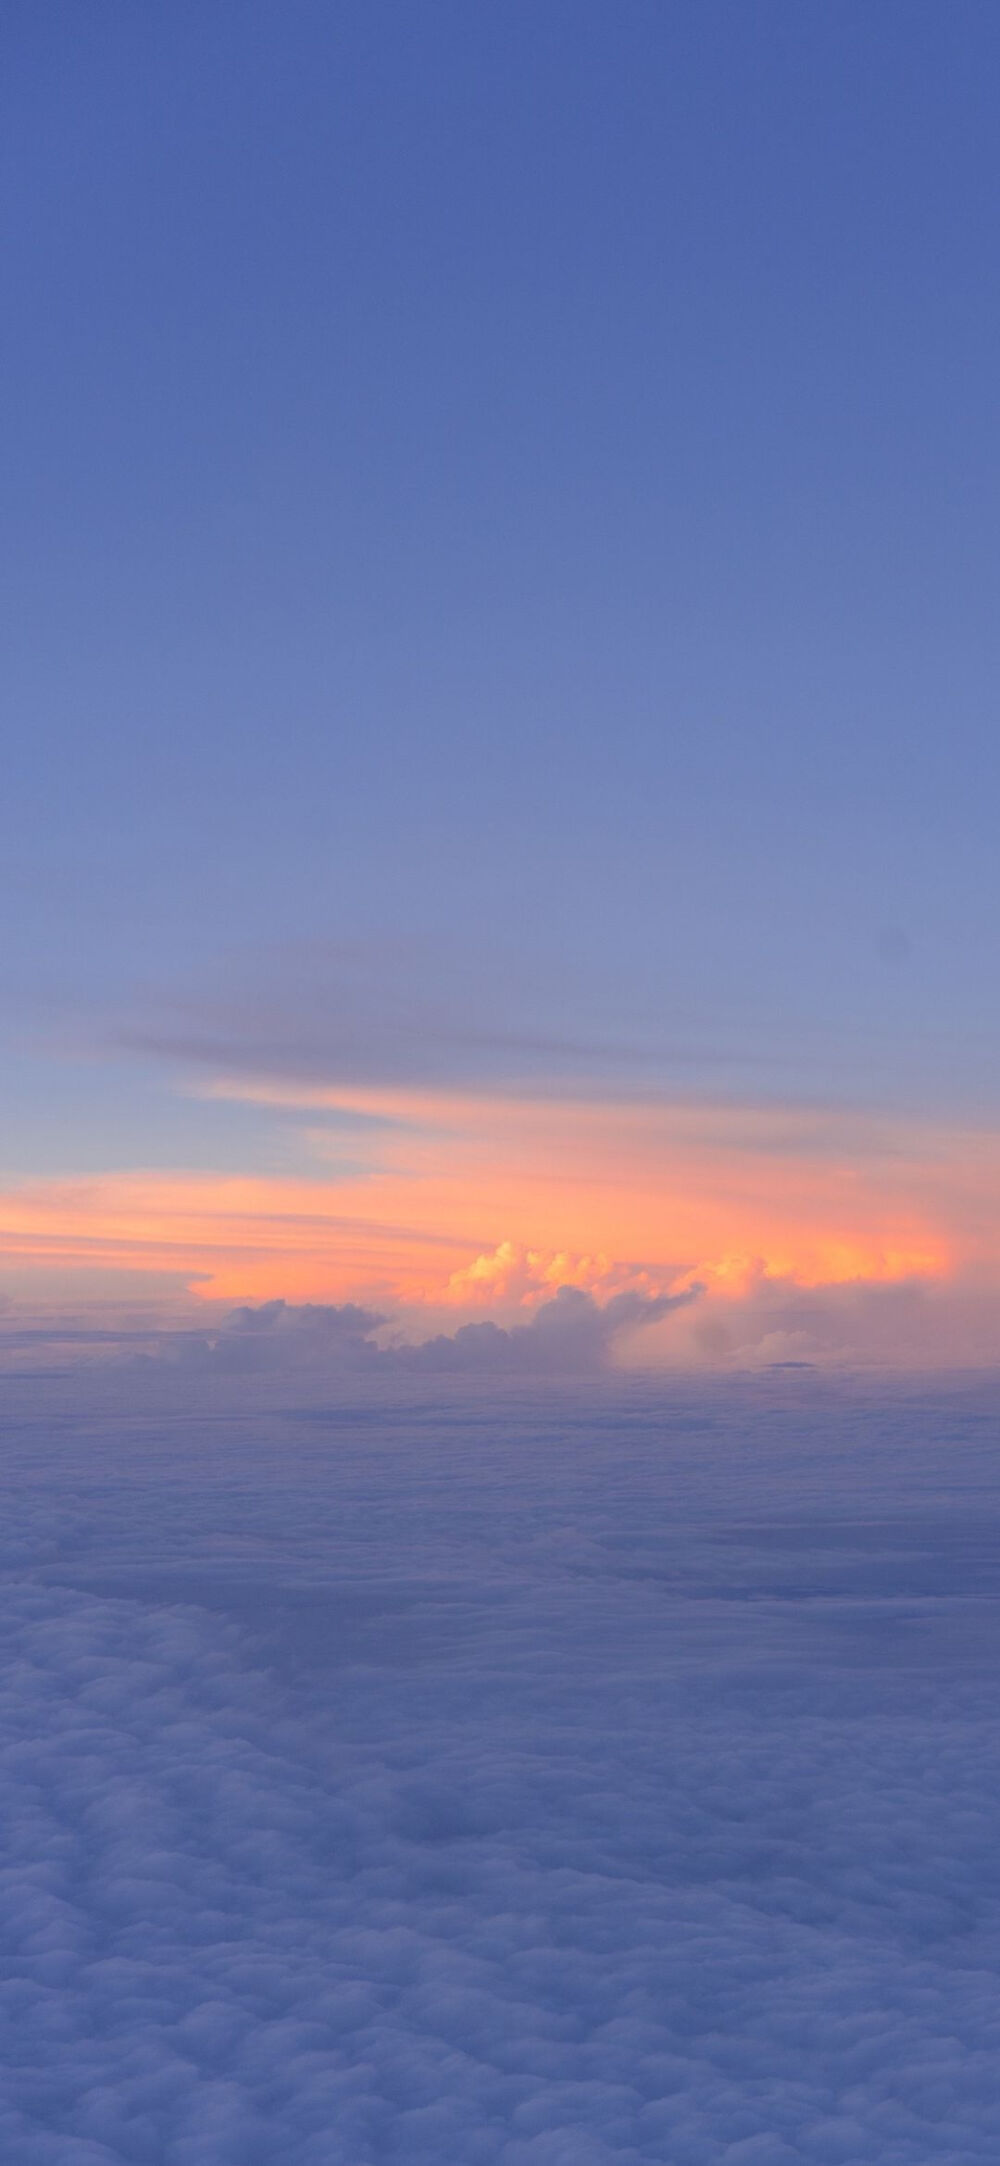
[499,536]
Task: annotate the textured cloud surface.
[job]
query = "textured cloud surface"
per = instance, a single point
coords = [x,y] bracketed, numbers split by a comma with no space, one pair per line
[550,1783]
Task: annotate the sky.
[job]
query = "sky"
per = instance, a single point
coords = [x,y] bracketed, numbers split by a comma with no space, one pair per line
[497,1066]
[499,552]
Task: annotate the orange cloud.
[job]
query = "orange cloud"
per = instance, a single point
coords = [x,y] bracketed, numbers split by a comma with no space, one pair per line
[524,1277]
[477,1202]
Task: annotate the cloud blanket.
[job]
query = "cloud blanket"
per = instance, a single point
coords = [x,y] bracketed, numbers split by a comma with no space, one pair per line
[556,1782]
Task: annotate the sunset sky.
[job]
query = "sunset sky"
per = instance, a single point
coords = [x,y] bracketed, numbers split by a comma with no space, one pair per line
[500,672]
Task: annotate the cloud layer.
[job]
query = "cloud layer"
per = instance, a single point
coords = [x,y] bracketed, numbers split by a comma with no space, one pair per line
[580,1781]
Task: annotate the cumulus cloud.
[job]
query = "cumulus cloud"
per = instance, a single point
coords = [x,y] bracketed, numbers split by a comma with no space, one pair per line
[760,1319]
[569,1332]
[513,1275]
[622,1790]
[287,1334]
[901,1323]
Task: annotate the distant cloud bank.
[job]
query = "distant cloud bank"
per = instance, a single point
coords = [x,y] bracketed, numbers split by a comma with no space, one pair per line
[568,1334]
[528,1233]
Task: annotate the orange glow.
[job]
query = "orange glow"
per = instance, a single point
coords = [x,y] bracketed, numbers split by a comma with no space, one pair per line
[474,1202]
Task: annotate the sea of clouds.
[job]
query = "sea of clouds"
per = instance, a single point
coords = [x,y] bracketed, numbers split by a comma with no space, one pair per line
[431,1771]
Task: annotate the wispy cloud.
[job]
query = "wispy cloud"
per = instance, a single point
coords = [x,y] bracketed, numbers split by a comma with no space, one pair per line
[394,1014]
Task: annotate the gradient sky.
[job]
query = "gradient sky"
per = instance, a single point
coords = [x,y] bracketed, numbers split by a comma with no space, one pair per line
[500,551]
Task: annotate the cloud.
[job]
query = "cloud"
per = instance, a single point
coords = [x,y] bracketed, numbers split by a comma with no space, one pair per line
[285,1335]
[748,1319]
[368,1014]
[909,1323]
[513,1276]
[464,1197]
[399,1013]
[568,1333]
[469,1207]
[509,1787]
